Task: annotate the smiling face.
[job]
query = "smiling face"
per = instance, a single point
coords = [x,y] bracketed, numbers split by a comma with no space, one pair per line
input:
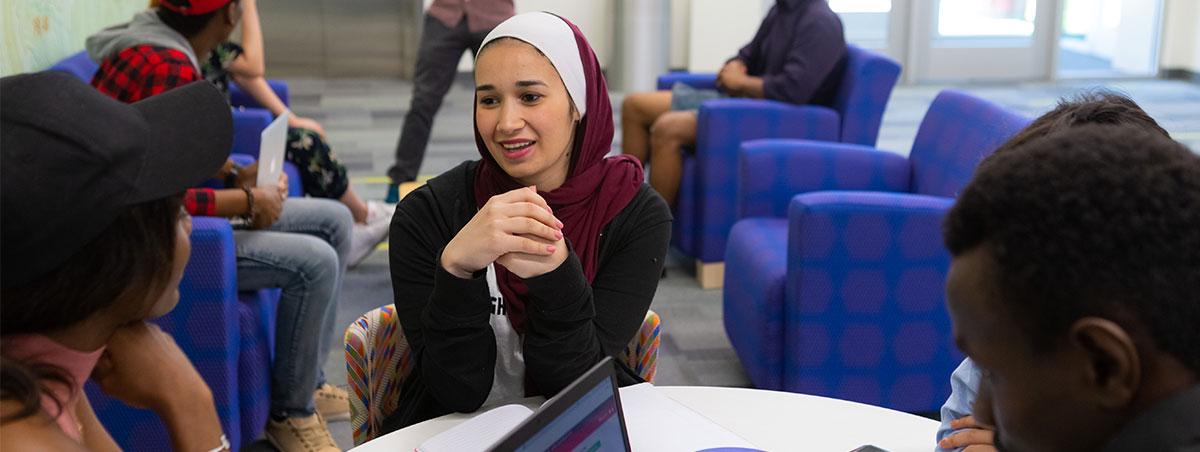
[1035,395]
[524,113]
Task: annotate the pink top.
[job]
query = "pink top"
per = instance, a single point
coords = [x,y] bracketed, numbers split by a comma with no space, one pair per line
[482,15]
[36,348]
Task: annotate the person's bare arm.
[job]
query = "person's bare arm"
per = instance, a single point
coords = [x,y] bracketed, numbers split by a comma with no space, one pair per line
[251,63]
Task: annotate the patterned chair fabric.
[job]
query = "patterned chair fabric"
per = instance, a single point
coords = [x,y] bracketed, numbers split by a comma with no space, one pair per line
[854,309]
[706,206]
[378,360]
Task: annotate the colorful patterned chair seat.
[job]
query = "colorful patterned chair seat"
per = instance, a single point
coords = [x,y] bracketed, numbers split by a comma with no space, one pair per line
[377,360]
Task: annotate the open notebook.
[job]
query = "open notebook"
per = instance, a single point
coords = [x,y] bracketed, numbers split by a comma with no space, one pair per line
[589,416]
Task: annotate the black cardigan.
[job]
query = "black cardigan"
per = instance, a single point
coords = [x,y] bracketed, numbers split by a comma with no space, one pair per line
[570,327]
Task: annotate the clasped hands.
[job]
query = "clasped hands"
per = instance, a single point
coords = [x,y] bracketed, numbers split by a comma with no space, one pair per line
[730,78]
[516,229]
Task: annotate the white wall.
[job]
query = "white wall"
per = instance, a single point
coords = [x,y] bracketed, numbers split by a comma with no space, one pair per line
[1181,35]
[719,28]
[593,17]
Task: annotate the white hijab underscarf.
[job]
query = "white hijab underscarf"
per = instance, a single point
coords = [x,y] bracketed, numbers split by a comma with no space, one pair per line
[554,38]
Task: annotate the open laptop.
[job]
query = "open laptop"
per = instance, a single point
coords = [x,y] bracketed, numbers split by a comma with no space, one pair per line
[271,150]
[584,417]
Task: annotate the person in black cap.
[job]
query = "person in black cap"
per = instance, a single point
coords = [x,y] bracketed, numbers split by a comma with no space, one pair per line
[95,241]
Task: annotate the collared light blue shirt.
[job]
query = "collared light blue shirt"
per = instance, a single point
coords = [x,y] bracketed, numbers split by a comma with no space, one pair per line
[964,383]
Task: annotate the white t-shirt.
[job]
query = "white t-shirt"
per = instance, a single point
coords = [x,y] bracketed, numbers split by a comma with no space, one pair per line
[508,383]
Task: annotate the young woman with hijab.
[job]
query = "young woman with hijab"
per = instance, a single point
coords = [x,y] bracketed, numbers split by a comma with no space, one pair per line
[516,273]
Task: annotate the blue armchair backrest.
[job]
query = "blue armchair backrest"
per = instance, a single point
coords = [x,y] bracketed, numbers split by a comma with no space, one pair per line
[863,94]
[78,65]
[958,131]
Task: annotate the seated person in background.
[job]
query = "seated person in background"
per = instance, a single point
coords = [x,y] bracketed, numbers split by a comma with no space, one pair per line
[175,44]
[514,274]
[796,57]
[959,429]
[302,244]
[95,242]
[1072,287]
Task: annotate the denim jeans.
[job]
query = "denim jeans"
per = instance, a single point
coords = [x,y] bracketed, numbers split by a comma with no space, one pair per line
[303,253]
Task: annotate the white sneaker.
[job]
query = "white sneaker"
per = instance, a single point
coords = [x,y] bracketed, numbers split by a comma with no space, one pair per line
[365,238]
[377,211]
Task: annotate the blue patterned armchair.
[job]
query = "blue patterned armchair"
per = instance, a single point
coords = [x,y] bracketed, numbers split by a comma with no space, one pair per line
[705,209]
[835,273]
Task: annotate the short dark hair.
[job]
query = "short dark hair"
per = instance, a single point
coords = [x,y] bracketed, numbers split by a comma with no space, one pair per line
[186,25]
[1089,107]
[131,258]
[1092,220]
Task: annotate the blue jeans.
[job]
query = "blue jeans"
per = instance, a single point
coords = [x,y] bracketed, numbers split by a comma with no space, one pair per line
[303,253]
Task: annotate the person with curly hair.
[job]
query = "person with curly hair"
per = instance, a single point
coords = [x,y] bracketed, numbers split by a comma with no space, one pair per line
[1073,289]
[959,429]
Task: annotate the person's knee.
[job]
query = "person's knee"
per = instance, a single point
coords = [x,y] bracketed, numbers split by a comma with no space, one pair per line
[670,128]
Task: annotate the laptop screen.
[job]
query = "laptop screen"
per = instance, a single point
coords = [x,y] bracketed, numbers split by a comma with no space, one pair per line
[584,417]
[592,424]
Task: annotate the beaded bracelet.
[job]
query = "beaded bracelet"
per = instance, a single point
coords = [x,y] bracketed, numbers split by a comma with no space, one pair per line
[248,217]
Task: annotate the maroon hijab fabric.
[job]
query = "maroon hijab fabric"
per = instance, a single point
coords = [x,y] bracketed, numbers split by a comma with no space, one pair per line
[596,189]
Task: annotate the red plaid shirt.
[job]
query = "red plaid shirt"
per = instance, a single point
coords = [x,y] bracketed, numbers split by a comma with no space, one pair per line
[143,71]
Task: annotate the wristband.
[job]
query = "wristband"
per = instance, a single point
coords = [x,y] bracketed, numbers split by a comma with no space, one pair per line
[224,445]
[248,217]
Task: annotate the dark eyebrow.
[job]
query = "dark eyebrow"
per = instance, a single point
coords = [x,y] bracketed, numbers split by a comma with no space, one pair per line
[524,83]
[484,88]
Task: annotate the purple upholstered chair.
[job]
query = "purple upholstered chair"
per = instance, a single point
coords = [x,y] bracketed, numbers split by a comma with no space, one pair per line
[705,208]
[834,281]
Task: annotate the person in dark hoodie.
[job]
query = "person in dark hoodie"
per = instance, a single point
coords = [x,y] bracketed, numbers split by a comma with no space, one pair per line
[298,244]
[797,57]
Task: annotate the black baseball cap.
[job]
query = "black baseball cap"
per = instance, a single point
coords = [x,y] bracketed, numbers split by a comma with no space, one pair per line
[73,159]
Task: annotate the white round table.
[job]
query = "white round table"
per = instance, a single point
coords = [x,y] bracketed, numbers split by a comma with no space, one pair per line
[773,421]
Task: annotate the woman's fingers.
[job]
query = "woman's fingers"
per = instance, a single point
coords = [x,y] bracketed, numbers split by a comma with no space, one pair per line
[529,210]
[530,226]
[524,194]
[529,245]
[968,422]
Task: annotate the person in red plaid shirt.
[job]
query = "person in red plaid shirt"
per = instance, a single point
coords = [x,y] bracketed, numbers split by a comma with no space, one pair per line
[299,244]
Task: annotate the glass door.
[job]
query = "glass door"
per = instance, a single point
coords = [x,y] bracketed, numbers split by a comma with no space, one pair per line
[982,39]
[878,25]
[1109,38]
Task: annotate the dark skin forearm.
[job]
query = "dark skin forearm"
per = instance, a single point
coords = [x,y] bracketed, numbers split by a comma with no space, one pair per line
[230,202]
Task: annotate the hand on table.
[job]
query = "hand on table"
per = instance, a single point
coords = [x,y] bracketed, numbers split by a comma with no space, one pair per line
[977,437]
[518,222]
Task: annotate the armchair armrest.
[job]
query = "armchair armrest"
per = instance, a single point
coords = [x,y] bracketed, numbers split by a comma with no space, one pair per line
[722,126]
[865,305]
[772,171]
[239,97]
[695,80]
[248,125]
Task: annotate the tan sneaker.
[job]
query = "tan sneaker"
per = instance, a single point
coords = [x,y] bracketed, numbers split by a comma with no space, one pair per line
[332,402]
[301,434]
